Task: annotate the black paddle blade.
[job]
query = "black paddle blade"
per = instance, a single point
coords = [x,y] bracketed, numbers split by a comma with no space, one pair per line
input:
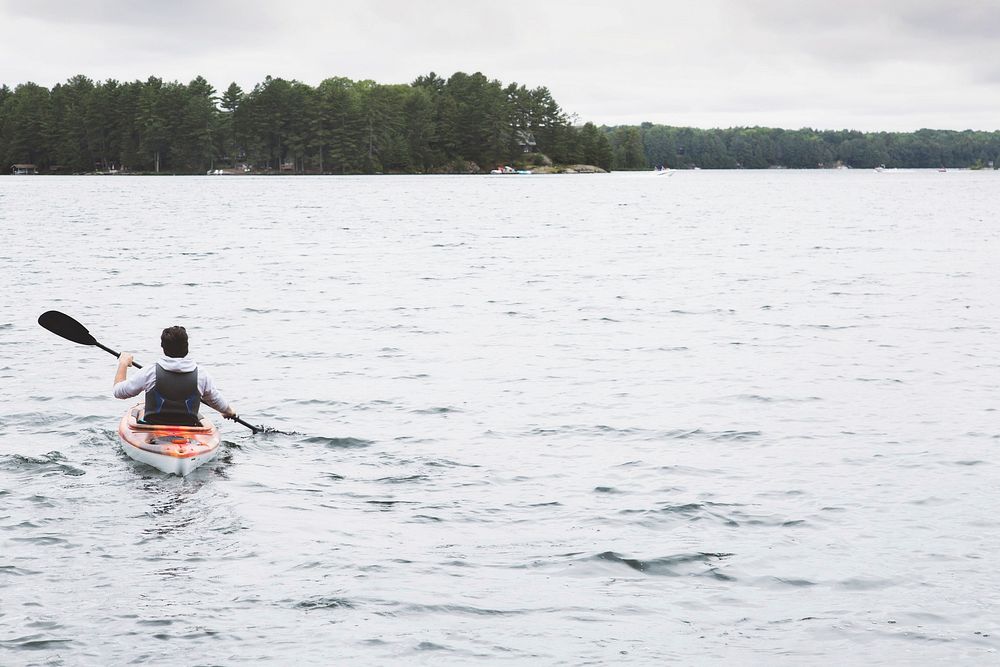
[63,325]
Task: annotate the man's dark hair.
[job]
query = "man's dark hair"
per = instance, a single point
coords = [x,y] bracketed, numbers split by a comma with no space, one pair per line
[174,341]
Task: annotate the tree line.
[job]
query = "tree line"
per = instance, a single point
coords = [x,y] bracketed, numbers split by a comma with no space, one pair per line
[464,123]
[460,124]
[648,146]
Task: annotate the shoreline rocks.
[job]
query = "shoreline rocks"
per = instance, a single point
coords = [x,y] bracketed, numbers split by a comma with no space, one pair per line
[569,169]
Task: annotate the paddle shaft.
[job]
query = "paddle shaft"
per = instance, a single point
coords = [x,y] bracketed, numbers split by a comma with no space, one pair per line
[249,426]
[108,349]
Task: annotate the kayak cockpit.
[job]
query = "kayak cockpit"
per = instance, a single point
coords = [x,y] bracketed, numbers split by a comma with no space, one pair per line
[172,449]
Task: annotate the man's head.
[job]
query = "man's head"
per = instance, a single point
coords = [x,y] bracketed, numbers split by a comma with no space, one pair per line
[174,341]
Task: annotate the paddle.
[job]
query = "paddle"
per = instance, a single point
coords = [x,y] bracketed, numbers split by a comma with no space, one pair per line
[65,326]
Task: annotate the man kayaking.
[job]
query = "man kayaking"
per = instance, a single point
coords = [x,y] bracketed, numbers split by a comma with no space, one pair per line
[174,386]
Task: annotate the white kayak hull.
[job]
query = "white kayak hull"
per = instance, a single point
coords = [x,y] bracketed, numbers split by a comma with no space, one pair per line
[175,450]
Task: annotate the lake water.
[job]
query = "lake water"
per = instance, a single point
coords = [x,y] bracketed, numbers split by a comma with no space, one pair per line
[707,417]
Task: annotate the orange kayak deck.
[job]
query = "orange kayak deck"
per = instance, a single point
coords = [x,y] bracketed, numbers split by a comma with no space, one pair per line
[166,440]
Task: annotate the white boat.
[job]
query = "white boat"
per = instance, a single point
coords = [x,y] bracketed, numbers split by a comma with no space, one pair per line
[175,450]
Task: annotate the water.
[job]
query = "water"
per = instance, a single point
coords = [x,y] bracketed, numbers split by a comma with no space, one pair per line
[709,417]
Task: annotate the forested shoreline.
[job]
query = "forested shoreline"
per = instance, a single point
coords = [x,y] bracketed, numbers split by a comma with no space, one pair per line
[466,123]
[650,145]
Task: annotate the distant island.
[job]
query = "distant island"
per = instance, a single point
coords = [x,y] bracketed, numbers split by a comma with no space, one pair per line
[466,124]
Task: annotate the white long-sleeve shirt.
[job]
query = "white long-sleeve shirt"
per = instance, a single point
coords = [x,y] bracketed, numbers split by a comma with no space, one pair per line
[146,378]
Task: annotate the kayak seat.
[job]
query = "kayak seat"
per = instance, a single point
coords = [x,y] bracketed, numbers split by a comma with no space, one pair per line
[171,419]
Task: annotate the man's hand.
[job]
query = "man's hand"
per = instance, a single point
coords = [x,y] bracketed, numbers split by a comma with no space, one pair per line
[124,361]
[230,413]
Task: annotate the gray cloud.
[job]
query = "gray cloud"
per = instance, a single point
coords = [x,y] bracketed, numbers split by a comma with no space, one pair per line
[183,15]
[851,31]
[874,64]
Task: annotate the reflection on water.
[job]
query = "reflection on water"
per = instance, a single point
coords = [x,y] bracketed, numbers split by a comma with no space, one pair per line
[717,417]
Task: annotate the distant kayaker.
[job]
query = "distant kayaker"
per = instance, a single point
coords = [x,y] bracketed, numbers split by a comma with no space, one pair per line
[174,386]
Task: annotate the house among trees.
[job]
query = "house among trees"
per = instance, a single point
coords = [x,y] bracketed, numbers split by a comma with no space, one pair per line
[526,140]
[23,170]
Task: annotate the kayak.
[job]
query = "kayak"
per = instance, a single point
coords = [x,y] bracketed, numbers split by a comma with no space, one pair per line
[175,450]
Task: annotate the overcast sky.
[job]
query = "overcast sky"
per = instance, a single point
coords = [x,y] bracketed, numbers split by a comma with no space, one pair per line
[863,64]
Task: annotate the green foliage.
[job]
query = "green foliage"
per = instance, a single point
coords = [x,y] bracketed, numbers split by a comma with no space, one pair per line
[627,150]
[340,126]
[431,125]
[595,148]
[27,126]
[762,148]
[534,160]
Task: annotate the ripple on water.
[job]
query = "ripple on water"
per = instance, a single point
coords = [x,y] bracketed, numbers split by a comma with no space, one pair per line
[98,437]
[337,443]
[52,463]
[758,398]
[444,410]
[682,512]
[431,646]
[408,608]
[646,434]
[35,643]
[716,436]
[865,584]
[156,622]
[403,479]
[784,582]
[695,564]
[42,540]
[323,602]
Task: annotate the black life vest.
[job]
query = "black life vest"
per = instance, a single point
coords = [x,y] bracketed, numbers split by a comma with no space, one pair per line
[174,398]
